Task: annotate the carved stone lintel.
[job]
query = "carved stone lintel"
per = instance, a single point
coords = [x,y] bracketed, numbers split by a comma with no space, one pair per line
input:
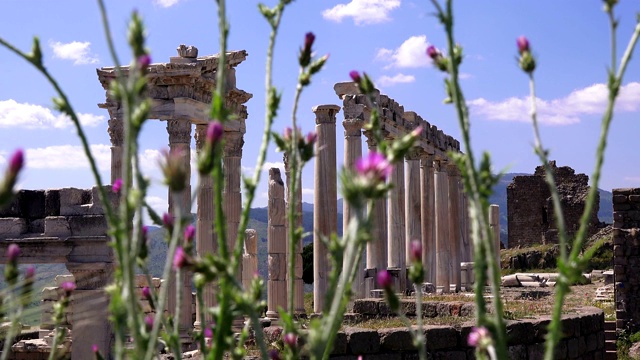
[200,136]
[326,113]
[116,131]
[233,143]
[179,131]
[353,127]
[415,153]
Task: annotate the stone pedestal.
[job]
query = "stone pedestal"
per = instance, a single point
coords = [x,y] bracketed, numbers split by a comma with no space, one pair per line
[427,217]
[325,204]
[277,246]
[89,309]
[443,244]
[353,152]
[455,225]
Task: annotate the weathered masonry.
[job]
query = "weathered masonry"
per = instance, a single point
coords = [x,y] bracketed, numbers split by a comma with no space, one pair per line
[530,209]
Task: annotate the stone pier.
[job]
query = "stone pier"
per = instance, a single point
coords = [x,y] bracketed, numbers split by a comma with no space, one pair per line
[325,198]
[396,244]
[427,217]
[277,246]
[298,297]
[412,202]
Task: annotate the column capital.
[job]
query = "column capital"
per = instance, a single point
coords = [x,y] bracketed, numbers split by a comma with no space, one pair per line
[201,135]
[440,165]
[116,131]
[179,131]
[415,153]
[452,169]
[351,109]
[326,113]
[353,127]
[371,140]
[233,143]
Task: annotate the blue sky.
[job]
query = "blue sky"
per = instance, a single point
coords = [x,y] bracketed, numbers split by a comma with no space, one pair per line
[385,38]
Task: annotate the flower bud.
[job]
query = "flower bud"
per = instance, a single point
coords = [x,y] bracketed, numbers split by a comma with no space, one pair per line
[16,162]
[68,287]
[309,38]
[30,273]
[167,221]
[174,168]
[305,52]
[433,52]
[287,134]
[290,339]
[116,186]
[189,233]
[146,292]
[375,167]
[208,333]
[415,250]
[180,258]
[214,132]
[13,251]
[148,322]
[479,337]
[312,137]
[144,61]
[355,76]
[523,44]
[385,280]
[94,348]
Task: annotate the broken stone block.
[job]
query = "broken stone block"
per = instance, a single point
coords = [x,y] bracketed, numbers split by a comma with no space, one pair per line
[11,227]
[31,203]
[57,226]
[52,203]
[88,225]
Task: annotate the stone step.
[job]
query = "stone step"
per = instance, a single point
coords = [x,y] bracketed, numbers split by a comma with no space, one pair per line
[611,355]
[610,345]
[610,325]
[610,335]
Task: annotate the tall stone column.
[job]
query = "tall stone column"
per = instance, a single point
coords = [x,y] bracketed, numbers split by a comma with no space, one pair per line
[206,242]
[443,244]
[412,201]
[427,217]
[396,243]
[325,204]
[353,152]
[494,222]
[231,196]
[377,247]
[455,225]
[116,135]
[277,246]
[298,297]
[250,257]
[180,144]
[467,244]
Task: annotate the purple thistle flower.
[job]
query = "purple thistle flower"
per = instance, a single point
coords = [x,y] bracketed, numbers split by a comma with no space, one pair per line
[16,162]
[144,61]
[523,44]
[94,348]
[13,251]
[167,221]
[117,186]
[30,273]
[146,292]
[309,38]
[180,258]
[374,166]
[479,337]
[68,287]
[290,339]
[208,333]
[148,322]
[415,250]
[433,52]
[355,76]
[214,132]
[274,354]
[312,137]
[287,133]
[189,233]
[145,232]
[385,280]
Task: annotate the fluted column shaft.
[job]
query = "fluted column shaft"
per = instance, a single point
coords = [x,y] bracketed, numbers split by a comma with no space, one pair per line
[180,145]
[427,217]
[353,152]
[231,196]
[325,204]
[443,245]
[277,246]
[455,225]
[377,247]
[206,242]
[396,244]
[298,297]
[412,201]
[467,244]
[116,135]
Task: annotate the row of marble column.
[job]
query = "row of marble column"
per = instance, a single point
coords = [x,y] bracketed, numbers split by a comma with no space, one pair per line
[179,131]
[427,202]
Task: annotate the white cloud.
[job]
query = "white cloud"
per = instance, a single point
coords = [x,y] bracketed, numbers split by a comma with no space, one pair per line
[160,205]
[2,160]
[307,191]
[273,164]
[396,79]
[67,157]
[30,116]
[465,76]
[563,111]
[363,12]
[411,54]
[166,3]
[77,51]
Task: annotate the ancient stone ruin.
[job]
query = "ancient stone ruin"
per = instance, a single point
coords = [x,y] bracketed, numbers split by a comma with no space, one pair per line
[530,208]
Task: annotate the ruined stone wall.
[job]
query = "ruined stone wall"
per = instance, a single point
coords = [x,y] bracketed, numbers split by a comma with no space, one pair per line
[530,207]
[626,257]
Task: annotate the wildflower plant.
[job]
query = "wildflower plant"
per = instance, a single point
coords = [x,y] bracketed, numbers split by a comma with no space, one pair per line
[361,187]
